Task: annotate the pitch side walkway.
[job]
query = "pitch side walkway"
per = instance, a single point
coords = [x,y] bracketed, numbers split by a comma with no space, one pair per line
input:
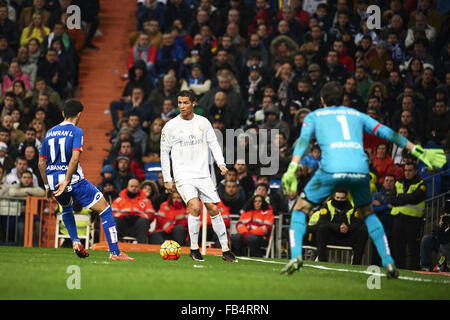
[99,85]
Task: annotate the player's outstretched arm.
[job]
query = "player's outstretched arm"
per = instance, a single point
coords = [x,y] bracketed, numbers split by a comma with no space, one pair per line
[73,164]
[431,157]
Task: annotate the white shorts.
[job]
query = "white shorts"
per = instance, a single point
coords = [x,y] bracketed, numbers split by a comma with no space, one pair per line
[202,188]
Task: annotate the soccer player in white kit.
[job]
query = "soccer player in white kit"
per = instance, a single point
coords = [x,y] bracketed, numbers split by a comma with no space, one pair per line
[187,139]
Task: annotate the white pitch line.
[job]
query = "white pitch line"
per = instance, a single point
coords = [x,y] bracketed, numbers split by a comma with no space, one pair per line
[348,270]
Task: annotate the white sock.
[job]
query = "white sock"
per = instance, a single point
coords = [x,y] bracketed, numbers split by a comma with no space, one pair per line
[194,230]
[221,230]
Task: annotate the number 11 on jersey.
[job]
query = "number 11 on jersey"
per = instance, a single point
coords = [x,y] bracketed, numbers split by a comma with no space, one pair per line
[62,143]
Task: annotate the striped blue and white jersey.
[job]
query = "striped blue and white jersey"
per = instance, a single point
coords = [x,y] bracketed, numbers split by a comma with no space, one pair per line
[57,147]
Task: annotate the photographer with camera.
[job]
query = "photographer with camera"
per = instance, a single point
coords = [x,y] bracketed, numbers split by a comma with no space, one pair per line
[438,241]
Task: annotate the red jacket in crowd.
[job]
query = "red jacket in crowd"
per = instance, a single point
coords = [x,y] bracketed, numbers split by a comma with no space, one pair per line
[384,166]
[139,206]
[259,222]
[169,216]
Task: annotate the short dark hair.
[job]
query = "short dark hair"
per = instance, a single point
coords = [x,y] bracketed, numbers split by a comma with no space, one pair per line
[31,129]
[72,108]
[332,93]
[188,94]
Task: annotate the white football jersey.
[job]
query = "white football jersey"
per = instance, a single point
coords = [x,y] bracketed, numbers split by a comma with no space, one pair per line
[188,143]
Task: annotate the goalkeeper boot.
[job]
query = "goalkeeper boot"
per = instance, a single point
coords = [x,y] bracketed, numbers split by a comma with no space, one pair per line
[292,266]
[79,250]
[196,255]
[442,265]
[121,256]
[391,271]
[229,256]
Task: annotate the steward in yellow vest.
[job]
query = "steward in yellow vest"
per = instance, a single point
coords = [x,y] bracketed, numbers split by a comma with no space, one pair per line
[408,205]
[339,224]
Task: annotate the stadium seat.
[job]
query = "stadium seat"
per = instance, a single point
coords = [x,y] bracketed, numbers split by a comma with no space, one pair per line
[85,229]
[151,170]
[336,254]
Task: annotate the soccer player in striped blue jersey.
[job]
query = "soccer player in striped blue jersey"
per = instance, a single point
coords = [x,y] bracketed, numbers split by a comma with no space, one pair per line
[62,174]
[339,133]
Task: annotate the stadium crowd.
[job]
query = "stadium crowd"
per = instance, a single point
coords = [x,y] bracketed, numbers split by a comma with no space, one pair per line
[253,65]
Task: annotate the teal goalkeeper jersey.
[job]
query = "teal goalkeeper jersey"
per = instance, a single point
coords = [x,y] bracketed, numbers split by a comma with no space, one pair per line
[339,133]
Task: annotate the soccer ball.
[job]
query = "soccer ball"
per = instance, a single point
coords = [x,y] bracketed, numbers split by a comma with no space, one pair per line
[170,250]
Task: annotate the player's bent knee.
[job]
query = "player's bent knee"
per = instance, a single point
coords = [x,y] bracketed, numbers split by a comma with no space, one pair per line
[212,209]
[365,211]
[100,205]
[194,207]
[303,205]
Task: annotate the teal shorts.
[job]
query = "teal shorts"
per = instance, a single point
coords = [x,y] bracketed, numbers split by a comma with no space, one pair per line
[323,184]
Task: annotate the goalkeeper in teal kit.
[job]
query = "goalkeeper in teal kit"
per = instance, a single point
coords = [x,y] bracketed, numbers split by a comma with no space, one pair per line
[339,133]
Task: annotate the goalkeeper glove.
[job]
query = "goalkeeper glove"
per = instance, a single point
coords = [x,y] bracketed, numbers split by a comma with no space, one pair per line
[431,157]
[289,179]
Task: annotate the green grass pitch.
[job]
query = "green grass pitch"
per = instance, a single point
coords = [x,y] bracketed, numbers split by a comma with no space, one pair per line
[44,273]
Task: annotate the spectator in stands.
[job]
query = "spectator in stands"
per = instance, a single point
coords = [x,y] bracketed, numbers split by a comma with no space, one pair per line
[123,173]
[382,209]
[143,51]
[27,14]
[30,140]
[168,89]
[231,175]
[408,204]
[108,174]
[196,81]
[14,74]
[40,86]
[4,187]
[24,99]
[109,191]
[133,212]
[16,135]
[125,149]
[26,187]
[137,105]
[312,160]
[438,241]
[234,99]
[244,176]
[383,161]
[21,165]
[138,135]
[169,56]
[6,162]
[25,64]
[438,124]
[154,140]
[36,29]
[254,227]
[171,221]
[169,111]
[272,120]
[272,198]
[53,113]
[340,224]
[221,109]
[150,9]
[9,27]
[151,189]
[40,127]
[232,198]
